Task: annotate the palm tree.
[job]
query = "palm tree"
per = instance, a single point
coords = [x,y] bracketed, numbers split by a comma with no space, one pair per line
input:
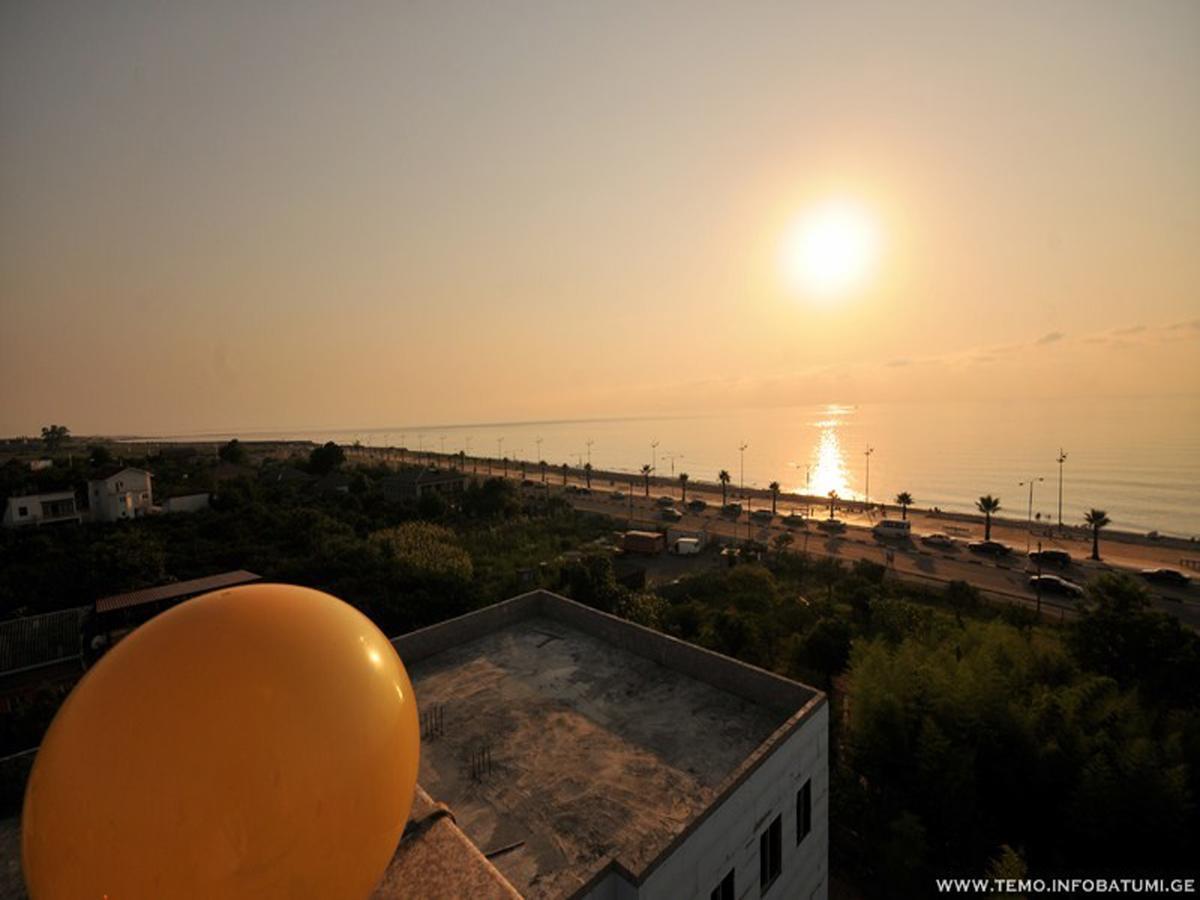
[774,486]
[723,477]
[904,501]
[683,480]
[587,475]
[542,463]
[833,497]
[506,467]
[646,470]
[565,469]
[987,504]
[462,460]
[1096,519]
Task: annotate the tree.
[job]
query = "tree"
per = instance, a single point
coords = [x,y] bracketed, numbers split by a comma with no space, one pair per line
[904,500]
[833,498]
[782,541]
[683,480]
[1096,519]
[988,505]
[232,452]
[54,436]
[99,455]
[723,477]
[542,464]
[774,486]
[646,470]
[324,460]
[587,475]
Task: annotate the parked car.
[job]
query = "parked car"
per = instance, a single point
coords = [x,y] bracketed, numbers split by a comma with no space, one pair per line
[617,495]
[1053,584]
[1059,558]
[733,510]
[762,515]
[899,529]
[937,539]
[671,514]
[528,482]
[665,501]
[572,489]
[833,526]
[1166,576]
[697,506]
[991,548]
[795,520]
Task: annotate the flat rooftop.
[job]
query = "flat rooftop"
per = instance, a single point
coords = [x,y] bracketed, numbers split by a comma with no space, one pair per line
[570,741]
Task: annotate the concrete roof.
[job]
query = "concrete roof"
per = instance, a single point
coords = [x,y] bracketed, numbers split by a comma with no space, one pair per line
[608,742]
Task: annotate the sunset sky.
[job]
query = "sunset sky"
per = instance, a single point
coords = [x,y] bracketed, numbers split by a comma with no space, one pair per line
[223,215]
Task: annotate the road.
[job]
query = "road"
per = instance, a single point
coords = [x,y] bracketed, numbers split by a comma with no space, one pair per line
[1005,578]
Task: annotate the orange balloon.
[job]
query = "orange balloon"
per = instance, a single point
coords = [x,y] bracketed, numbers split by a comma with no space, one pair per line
[255,742]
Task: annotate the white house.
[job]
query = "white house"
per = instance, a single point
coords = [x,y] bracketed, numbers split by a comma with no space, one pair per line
[40,509]
[123,493]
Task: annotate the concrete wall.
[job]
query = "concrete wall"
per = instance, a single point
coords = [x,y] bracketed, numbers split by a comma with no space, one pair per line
[728,838]
[186,503]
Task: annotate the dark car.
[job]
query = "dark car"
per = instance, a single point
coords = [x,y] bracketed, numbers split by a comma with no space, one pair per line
[762,515]
[1053,584]
[937,539]
[833,526]
[733,510]
[671,514]
[1059,558]
[991,548]
[1167,576]
[795,520]
[665,501]
[697,506]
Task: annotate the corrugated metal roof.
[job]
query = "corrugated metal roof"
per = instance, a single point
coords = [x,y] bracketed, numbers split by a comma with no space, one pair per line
[177,590]
[38,640]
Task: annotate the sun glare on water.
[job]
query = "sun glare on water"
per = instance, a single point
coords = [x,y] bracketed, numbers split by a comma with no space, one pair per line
[830,250]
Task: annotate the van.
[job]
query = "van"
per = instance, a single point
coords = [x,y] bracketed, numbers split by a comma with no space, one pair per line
[893,528]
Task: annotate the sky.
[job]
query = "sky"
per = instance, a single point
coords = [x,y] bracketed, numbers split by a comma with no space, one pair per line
[226,215]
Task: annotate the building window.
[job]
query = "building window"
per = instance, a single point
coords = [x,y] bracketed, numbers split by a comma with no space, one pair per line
[22,511]
[770,855]
[803,811]
[724,890]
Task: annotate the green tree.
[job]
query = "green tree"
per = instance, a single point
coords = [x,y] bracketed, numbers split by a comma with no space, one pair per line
[233,452]
[904,500]
[1096,519]
[325,459]
[989,506]
[99,455]
[54,436]
[774,486]
[683,483]
[723,477]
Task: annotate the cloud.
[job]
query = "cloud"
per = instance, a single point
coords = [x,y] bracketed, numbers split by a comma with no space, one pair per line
[897,363]
[1136,329]
[1051,337]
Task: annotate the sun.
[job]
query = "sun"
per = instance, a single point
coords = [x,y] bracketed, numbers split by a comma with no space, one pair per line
[830,250]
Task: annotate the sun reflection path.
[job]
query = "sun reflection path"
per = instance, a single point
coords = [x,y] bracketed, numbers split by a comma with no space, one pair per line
[829,466]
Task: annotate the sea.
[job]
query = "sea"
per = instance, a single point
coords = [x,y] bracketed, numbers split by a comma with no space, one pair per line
[1136,458]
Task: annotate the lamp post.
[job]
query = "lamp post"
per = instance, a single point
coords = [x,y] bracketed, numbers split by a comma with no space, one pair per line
[1062,458]
[1029,524]
[589,450]
[672,457]
[654,455]
[867,491]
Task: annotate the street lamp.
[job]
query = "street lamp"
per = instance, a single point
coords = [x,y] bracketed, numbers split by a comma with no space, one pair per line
[672,457]
[654,455]
[742,469]
[867,492]
[1029,527]
[1062,458]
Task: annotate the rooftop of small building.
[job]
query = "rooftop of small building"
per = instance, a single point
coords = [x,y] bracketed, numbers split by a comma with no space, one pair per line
[568,742]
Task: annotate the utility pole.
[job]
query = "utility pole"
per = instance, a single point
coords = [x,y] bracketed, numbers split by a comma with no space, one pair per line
[1062,458]
[654,455]
[538,441]
[1029,523]
[672,457]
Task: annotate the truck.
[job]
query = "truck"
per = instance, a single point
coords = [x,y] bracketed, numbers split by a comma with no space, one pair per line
[650,543]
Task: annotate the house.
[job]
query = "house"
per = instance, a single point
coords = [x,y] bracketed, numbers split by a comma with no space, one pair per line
[120,493]
[411,483]
[41,509]
[185,503]
[642,767]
